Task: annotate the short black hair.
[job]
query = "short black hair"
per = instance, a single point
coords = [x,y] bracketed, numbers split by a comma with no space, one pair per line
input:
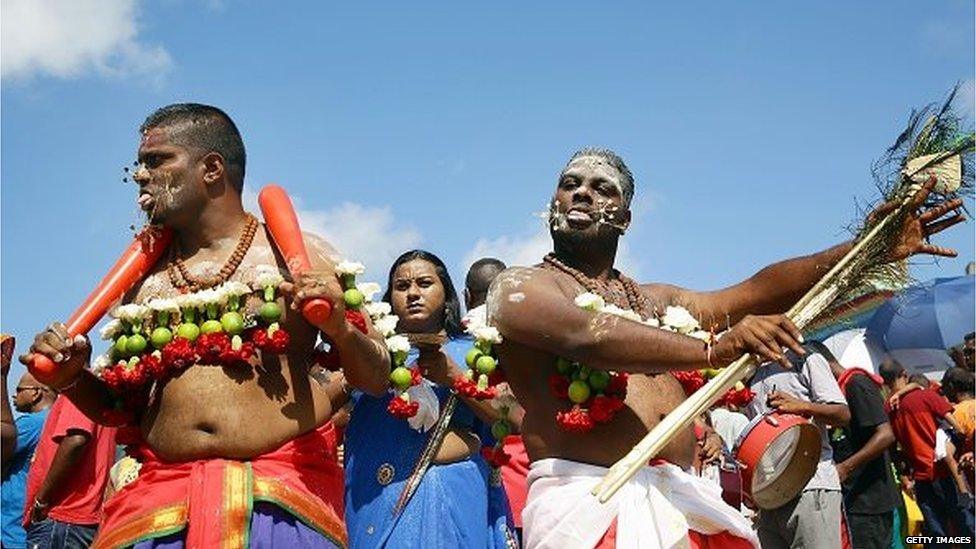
[958,380]
[452,305]
[206,129]
[890,370]
[481,273]
[970,336]
[626,177]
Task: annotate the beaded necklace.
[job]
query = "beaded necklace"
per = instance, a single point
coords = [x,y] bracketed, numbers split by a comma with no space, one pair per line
[181,279]
[635,300]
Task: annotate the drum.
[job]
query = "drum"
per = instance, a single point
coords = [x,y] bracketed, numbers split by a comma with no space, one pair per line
[777,455]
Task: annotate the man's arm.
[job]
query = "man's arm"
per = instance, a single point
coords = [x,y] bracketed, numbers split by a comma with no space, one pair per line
[90,394]
[532,307]
[365,358]
[70,450]
[777,287]
[880,440]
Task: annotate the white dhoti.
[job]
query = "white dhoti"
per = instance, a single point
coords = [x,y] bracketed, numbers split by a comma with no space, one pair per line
[656,508]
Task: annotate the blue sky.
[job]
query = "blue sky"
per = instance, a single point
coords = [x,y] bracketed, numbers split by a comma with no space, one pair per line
[750,127]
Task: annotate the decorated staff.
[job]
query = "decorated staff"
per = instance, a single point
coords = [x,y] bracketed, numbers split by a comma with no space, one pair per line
[929,161]
[282,222]
[130,268]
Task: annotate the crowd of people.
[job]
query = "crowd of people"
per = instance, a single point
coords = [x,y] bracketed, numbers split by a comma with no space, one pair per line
[221,417]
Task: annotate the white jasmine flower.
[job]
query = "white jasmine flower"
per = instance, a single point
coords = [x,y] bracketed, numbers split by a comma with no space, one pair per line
[680,320]
[211,295]
[475,318]
[378,309]
[590,301]
[267,275]
[701,334]
[350,267]
[235,288]
[612,309]
[110,330]
[398,343]
[163,305]
[101,362]
[369,290]
[651,321]
[131,312]
[487,333]
[386,325]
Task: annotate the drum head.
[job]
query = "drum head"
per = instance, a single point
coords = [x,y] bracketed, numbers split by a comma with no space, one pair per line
[787,463]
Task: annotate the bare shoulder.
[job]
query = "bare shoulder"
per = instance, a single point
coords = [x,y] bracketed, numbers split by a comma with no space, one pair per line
[527,290]
[662,295]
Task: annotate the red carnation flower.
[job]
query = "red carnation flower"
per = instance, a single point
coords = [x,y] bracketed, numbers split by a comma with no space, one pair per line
[577,420]
[401,408]
[465,387]
[559,386]
[179,354]
[415,376]
[210,347]
[357,319]
[152,366]
[618,384]
[602,409]
[691,380]
[495,455]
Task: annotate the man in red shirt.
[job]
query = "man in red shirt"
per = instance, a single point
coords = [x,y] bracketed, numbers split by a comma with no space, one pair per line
[67,480]
[914,423]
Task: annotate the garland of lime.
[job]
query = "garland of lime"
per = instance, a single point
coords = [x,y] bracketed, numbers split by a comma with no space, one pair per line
[597,395]
[164,336]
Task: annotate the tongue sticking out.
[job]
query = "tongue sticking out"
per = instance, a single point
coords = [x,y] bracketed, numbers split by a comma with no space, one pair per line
[145,201]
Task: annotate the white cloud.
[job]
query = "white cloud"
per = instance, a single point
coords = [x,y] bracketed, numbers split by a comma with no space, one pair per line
[367,234]
[69,38]
[529,248]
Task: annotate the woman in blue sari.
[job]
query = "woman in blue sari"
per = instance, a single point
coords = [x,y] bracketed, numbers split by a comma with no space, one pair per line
[458,501]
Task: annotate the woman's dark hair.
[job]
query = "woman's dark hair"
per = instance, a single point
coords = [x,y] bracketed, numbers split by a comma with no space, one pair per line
[452,305]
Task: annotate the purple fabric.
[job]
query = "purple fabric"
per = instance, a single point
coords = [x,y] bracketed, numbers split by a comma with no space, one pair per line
[271,527]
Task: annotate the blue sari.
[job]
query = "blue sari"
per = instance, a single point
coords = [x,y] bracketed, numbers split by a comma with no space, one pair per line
[459,504]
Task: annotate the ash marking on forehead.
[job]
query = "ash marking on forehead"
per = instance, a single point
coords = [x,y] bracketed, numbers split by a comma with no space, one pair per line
[599,165]
[517,297]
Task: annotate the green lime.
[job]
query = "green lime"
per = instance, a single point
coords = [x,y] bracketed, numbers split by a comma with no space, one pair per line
[160,337]
[189,331]
[501,429]
[270,312]
[353,298]
[400,376]
[485,364]
[211,327]
[564,365]
[599,379]
[709,373]
[579,391]
[232,322]
[135,344]
[472,357]
[120,345]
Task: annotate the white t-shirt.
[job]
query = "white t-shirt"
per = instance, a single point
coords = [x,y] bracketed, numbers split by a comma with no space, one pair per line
[811,380]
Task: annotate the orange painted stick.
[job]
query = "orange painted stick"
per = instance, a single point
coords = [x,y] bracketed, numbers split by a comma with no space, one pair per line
[279,215]
[131,267]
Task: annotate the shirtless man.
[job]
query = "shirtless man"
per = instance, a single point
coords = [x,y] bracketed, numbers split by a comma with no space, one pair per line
[220,442]
[535,312]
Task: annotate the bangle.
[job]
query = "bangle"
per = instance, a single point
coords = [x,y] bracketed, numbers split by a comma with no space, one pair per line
[71,385]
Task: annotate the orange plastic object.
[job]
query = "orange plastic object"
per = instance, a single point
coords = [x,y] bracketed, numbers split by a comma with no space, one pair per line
[279,215]
[132,266]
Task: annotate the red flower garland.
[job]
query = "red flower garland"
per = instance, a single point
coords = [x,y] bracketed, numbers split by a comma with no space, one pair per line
[576,420]
[179,354]
[468,388]
[690,380]
[496,456]
[210,347]
[401,408]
